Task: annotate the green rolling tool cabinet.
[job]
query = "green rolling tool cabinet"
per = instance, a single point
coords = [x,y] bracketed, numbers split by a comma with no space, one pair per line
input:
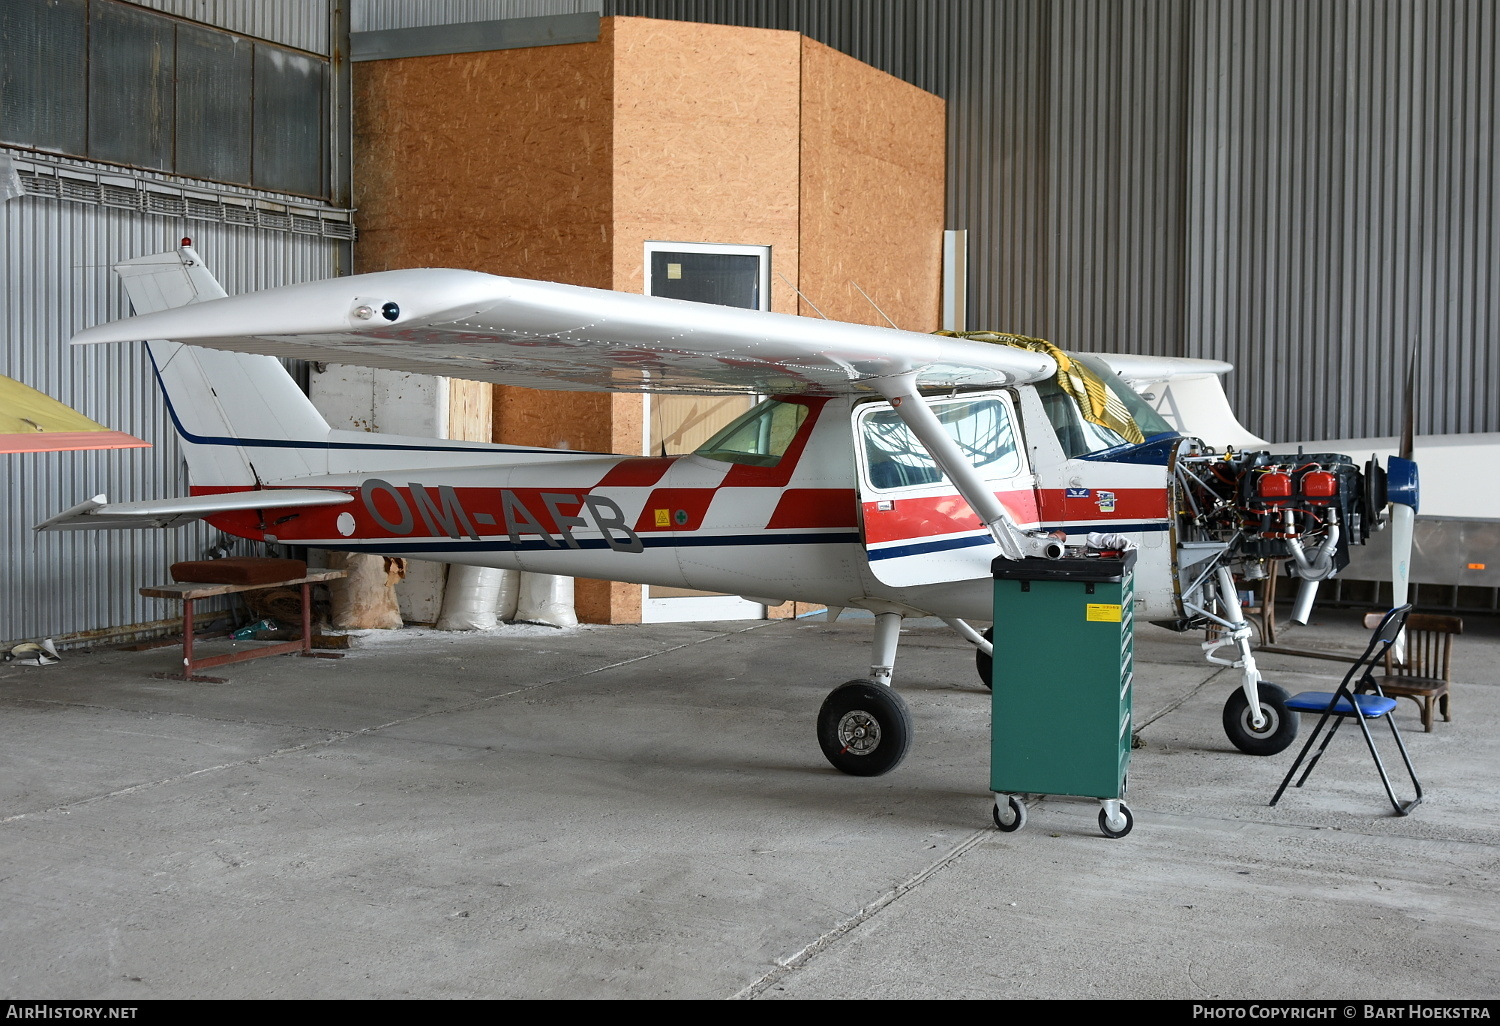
[1060,720]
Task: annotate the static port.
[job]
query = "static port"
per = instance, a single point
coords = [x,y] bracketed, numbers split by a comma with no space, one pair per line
[390,311]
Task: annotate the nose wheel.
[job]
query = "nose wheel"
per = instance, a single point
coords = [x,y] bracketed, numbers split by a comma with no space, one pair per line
[1278,728]
[864,728]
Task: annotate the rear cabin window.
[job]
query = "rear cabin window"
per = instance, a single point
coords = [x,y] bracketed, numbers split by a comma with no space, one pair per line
[981,427]
[759,437]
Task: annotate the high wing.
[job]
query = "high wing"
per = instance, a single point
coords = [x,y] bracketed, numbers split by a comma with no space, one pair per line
[513,331]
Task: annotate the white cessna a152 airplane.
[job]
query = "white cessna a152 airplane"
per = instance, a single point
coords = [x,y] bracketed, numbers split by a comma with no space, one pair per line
[885,470]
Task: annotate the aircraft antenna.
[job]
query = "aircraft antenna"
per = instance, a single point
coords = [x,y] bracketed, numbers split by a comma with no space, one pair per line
[881,312]
[804,299]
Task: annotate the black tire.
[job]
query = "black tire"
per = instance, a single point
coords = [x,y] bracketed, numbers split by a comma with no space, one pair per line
[1281,724]
[985,663]
[864,728]
[1108,831]
[1017,809]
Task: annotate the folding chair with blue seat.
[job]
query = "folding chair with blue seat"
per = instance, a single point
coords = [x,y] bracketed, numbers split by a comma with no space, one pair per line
[1358,697]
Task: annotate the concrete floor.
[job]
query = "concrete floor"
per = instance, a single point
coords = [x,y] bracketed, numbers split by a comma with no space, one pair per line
[643,812]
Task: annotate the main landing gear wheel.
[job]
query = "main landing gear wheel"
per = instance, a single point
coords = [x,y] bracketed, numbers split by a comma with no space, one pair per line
[1117,827]
[864,728]
[985,663]
[1280,728]
[1011,816]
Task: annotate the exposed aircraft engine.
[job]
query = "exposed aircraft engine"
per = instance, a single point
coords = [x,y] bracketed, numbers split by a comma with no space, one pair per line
[1306,509]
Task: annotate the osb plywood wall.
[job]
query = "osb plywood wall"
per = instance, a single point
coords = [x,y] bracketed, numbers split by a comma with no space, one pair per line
[706,143]
[561,162]
[497,162]
[872,192]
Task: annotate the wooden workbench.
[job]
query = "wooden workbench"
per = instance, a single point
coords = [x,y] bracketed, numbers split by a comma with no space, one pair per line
[188,593]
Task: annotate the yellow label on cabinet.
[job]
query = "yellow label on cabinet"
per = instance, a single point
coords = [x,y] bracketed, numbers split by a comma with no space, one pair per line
[1102,613]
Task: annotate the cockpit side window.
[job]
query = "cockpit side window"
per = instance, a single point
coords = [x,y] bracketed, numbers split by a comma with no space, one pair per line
[981,427]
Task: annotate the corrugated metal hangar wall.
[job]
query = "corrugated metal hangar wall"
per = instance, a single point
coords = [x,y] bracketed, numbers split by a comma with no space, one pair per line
[264,199]
[1304,189]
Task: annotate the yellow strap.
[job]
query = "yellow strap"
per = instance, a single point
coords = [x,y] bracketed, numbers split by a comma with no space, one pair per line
[1095,401]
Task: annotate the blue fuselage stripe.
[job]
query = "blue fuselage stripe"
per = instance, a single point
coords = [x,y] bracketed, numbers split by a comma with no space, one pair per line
[922,548]
[596,544]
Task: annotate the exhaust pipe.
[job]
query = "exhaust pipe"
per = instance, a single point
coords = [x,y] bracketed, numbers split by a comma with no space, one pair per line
[1320,566]
[1307,594]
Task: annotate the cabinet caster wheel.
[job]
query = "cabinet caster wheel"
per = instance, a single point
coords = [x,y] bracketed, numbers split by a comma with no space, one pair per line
[1011,816]
[1118,827]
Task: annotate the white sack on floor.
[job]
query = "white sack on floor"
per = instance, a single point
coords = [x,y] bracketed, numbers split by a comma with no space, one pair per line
[546,598]
[470,598]
[367,597]
[510,595]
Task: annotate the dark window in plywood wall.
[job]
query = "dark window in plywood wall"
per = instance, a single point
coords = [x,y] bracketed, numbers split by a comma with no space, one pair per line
[290,127]
[132,77]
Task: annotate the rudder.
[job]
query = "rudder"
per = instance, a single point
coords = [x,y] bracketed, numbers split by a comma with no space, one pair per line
[239,416]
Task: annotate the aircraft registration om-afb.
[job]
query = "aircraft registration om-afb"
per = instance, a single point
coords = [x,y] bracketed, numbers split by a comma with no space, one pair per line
[884,470]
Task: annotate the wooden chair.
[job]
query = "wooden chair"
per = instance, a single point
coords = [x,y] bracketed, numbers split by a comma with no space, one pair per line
[1426,674]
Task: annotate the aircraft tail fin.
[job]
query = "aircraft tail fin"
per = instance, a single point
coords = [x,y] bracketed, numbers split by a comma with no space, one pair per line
[239,416]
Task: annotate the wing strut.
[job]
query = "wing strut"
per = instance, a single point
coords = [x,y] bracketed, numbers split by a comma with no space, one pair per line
[1014,543]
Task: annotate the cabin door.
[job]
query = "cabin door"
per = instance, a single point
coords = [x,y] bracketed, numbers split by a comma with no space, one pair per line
[917,529]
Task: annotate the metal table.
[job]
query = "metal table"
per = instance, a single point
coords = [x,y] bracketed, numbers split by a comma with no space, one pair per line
[188,593]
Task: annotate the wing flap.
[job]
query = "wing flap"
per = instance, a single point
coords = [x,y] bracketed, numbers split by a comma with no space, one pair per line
[1141,369]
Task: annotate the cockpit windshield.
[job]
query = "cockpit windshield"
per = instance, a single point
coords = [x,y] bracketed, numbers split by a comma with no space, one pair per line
[1082,437]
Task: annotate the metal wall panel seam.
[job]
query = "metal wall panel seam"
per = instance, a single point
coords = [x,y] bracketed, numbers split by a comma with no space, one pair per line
[379,15]
[303,24]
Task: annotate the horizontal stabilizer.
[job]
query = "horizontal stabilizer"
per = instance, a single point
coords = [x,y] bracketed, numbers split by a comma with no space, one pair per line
[99,513]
